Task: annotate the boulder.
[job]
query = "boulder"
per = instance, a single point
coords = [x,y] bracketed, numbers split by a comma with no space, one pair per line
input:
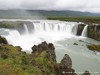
[86,73]
[66,62]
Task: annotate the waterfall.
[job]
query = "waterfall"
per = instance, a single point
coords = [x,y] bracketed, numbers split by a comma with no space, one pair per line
[74,30]
[26,29]
[84,32]
[13,36]
[41,31]
[56,27]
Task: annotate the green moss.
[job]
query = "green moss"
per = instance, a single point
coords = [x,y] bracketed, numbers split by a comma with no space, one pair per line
[19,63]
[94,47]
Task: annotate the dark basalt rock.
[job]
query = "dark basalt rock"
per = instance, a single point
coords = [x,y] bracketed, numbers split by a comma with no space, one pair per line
[94,32]
[66,62]
[80,29]
[97,34]
[3,40]
[86,73]
[66,66]
[49,48]
[75,44]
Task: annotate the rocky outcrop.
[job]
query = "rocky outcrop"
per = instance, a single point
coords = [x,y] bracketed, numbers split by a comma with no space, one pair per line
[92,32]
[86,73]
[66,66]
[3,40]
[80,29]
[98,32]
[66,62]
[49,48]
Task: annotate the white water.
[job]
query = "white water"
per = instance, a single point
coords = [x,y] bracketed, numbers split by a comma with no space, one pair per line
[26,29]
[44,31]
[84,32]
[63,36]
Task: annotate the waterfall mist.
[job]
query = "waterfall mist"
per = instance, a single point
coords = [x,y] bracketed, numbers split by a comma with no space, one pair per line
[35,32]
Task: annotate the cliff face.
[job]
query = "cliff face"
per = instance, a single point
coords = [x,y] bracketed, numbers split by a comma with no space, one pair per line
[80,29]
[92,32]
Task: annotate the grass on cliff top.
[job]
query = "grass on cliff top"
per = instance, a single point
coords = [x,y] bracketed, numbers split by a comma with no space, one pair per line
[76,19]
[9,24]
[15,62]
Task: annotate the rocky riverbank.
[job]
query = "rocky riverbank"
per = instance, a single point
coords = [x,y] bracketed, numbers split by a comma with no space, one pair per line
[42,61]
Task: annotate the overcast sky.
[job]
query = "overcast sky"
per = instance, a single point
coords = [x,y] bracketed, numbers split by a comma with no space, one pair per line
[80,5]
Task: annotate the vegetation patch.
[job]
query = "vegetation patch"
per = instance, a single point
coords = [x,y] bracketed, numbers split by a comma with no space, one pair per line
[94,47]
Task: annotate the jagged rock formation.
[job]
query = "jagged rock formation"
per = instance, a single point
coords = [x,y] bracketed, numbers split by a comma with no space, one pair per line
[3,40]
[66,62]
[49,48]
[66,66]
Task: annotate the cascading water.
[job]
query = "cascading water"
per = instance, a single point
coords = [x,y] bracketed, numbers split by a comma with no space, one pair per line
[84,32]
[42,31]
[26,29]
[63,36]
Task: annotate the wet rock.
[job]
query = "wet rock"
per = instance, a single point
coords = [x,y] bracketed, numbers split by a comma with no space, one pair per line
[80,29]
[86,73]
[75,44]
[81,41]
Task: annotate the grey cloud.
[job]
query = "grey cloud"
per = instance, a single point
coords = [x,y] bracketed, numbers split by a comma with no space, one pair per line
[80,5]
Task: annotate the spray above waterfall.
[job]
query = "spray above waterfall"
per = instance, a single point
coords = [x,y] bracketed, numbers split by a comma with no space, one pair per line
[37,32]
